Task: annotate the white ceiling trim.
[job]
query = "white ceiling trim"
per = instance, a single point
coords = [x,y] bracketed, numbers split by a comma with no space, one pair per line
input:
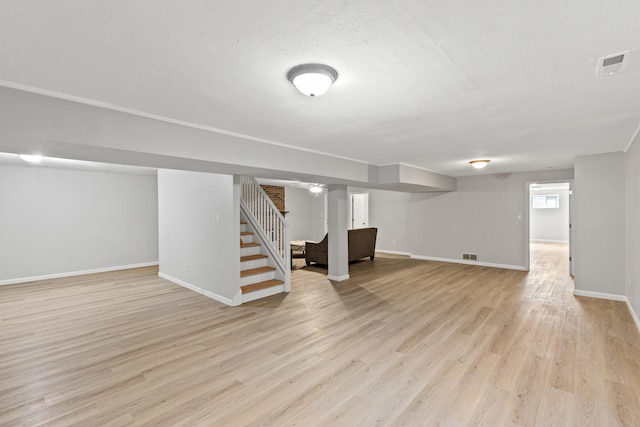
[409,165]
[105,105]
[118,137]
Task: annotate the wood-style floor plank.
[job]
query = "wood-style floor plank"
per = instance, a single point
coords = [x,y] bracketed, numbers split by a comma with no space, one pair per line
[403,342]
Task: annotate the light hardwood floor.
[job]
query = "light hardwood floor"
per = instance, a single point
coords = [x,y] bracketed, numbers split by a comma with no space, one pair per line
[403,342]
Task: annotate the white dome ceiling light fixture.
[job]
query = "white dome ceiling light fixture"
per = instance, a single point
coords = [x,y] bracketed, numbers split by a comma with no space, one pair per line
[315,189]
[31,158]
[479,164]
[312,79]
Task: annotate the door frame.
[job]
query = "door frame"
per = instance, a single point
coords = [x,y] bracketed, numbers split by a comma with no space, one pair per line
[527,215]
[350,207]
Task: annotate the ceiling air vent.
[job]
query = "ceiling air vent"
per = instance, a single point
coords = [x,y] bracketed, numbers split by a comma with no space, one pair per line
[613,60]
[609,65]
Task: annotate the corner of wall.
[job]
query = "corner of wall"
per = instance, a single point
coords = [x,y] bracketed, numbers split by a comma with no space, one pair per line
[634,316]
[612,297]
[237,195]
[237,299]
[201,291]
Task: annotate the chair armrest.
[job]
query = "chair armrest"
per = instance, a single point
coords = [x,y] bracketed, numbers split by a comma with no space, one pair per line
[316,252]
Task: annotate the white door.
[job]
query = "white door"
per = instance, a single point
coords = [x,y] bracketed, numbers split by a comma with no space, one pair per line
[359,211]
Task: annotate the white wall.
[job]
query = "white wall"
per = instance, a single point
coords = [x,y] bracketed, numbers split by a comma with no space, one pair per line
[55,222]
[319,217]
[299,205]
[486,216]
[633,226]
[599,221]
[199,228]
[389,213]
[550,225]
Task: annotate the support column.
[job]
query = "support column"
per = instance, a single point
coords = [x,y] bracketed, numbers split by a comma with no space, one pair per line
[338,245]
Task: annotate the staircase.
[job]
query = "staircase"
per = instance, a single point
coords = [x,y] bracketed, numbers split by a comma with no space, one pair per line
[264,246]
[257,277]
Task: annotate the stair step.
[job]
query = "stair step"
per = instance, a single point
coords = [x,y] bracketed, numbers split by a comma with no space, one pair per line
[253,271]
[246,233]
[261,285]
[248,245]
[252,257]
[243,223]
[251,250]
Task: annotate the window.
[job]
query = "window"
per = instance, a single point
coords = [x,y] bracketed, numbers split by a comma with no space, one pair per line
[546,201]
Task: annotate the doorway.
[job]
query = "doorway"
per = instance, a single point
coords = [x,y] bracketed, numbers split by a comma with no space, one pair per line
[359,207]
[549,216]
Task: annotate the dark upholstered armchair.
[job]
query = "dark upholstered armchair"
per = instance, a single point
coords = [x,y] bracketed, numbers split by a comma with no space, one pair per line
[361,242]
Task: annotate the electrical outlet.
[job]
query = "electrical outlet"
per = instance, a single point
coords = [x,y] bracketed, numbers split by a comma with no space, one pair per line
[186,267]
[394,243]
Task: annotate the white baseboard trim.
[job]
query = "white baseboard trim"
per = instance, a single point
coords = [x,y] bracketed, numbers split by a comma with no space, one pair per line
[548,241]
[599,295]
[338,278]
[634,316]
[478,263]
[385,251]
[612,297]
[201,291]
[75,273]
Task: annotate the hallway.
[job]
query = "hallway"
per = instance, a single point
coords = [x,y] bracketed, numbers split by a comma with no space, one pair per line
[549,270]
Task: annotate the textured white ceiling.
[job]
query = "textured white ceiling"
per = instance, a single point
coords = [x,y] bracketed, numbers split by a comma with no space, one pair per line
[428,83]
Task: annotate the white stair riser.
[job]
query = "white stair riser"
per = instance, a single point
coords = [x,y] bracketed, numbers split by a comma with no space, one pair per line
[262,293]
[255,263]
[252,250]
[243,227]
[249,238]
[247,280]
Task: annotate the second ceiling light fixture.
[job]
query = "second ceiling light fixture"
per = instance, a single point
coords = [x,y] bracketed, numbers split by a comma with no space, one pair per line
[312,79]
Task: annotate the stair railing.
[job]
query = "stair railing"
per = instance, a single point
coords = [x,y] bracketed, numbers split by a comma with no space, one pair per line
[271,224]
